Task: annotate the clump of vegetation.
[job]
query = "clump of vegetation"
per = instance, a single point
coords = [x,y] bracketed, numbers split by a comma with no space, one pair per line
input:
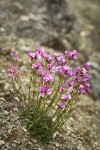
[52,90]
[42,130]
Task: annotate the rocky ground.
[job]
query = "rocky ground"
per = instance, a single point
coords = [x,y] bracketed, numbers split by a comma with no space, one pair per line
[58,25]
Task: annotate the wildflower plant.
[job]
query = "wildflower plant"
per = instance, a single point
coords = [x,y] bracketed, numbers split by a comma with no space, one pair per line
[52,91]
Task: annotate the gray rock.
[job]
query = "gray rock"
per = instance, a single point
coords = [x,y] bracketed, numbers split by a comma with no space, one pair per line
[96,87]
[42,21]
[2,142]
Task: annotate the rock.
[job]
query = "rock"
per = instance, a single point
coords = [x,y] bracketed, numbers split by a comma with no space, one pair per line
[24,48]
[59,15]
[96,87]
[2,29]
[40,149]
[18,6]
[33,20]
[95,74]
[2,142]
[95,65]
[24,18]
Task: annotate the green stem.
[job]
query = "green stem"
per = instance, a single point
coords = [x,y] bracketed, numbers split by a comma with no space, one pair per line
[53,98]
[18,93]
[63,115]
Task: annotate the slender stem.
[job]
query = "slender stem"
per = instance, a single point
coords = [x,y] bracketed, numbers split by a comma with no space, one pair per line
[18,93]
[63,115]
[53,98]
[29,93]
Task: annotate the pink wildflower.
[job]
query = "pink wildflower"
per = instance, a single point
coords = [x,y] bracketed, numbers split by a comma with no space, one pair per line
[66,97]
[13,71]
[71,85]
[82,77]
[59,59]
[61,105]
[87,65]
[71,55]
[78,70]
[36,65]
[63,87]
[35,55]
[70,89]
[45,89]
[47,77]
[47,57]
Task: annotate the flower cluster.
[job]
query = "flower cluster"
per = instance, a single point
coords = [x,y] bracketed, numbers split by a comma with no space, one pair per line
[73,81]
[71,55]
[47,66]
[45,89]
[13,71]
[82,78]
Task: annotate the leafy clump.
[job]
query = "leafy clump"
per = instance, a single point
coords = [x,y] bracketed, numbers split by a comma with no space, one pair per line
[42,130]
